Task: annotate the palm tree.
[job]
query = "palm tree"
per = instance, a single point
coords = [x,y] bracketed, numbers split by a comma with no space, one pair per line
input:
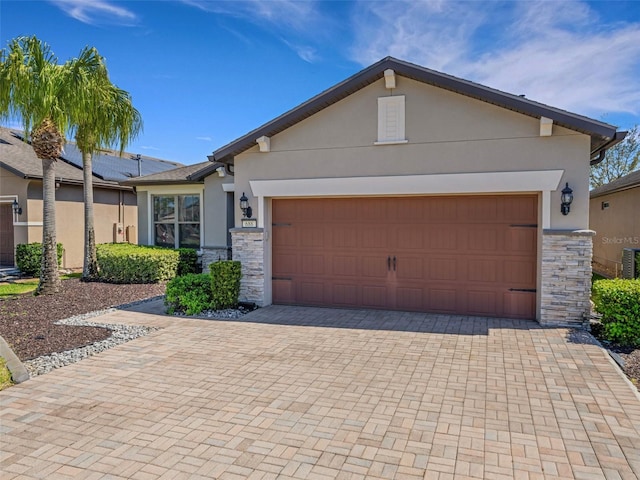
[101,116]
[31,82]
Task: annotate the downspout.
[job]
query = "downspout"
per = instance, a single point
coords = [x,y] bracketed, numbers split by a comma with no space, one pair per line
[617,138]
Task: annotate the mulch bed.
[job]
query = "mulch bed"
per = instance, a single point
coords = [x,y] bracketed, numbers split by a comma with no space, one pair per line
[27,321]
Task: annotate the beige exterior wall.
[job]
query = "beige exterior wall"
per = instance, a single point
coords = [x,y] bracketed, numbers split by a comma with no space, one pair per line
[616,227]
[110,206]
[447,135]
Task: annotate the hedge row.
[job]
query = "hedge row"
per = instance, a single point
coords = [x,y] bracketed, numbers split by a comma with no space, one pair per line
[29,258]
[618,301]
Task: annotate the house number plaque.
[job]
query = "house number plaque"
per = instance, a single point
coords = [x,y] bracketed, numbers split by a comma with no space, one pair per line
[249,223]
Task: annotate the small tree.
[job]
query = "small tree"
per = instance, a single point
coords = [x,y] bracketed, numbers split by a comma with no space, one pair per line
[620,160]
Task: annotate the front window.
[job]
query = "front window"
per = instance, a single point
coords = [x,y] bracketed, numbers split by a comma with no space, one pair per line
[181,230]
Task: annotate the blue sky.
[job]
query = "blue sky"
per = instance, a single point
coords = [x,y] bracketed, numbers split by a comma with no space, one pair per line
[203,73]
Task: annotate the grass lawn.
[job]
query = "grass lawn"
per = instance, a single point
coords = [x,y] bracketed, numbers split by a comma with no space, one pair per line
[5,375]
[19,287]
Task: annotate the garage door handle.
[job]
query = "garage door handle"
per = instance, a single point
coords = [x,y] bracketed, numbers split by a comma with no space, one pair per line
[388,263]
[394,263]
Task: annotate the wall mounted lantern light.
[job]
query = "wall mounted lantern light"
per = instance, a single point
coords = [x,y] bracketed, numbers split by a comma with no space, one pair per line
[17,209]
[566,198]
[247,221]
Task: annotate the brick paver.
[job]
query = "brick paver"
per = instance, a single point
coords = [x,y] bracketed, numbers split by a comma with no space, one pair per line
[304,393]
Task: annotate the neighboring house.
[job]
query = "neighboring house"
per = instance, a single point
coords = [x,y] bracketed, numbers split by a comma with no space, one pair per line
[404,188]
[115,209]
[191,206]
[615,216]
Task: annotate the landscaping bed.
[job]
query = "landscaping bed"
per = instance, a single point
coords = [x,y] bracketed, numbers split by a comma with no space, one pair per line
[27,321]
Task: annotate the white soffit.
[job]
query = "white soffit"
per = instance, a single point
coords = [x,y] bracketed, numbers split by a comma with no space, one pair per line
[447,183]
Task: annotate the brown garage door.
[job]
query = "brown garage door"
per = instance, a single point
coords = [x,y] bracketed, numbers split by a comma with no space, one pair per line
[6,235]
[471,255]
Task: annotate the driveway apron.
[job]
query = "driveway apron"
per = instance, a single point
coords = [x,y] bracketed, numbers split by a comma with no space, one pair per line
[310,393]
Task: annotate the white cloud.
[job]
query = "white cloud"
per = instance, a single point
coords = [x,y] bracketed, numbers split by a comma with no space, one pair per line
[290,20]
[148,147]
[204,139]
[96,11]
[560,53]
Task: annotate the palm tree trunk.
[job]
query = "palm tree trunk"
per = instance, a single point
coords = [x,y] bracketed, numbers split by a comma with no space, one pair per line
[90,266]
[49,278]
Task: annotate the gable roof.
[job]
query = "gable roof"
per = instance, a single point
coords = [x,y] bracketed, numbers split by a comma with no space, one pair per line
[630,180]
[19,158]
[187,174]
[602,134]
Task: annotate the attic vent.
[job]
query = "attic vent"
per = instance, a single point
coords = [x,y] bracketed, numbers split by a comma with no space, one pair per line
[391,120]
[630,268]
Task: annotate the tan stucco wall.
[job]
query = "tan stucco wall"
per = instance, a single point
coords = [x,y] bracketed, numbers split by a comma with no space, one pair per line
[616,227]
[446,133]
[110,206]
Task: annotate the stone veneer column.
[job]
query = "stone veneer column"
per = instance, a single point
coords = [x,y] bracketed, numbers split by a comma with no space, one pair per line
[248,248]
[213,254]
[566,278]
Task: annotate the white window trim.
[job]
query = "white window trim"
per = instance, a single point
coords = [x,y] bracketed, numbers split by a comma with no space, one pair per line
[157,192]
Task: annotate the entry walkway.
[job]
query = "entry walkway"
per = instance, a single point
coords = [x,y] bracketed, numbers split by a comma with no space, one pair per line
[305,393]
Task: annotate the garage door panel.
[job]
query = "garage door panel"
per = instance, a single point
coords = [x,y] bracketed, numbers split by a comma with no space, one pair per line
[374,296]
[457,255]
[346,295]
[345,265]
[373,237]
[444,268]
[520,272]
[521,239]
[519,304]
[481,302]
[411,299]
[443,300]
[443,238]
[344,236]
[311,292]
[483,270]
[410,268]
[374,267]
[283,290]
[312,264]
[285,264]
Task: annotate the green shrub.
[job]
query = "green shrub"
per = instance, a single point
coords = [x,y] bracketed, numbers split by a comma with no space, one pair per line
[188,261]
[225,283]
[29,258]
[190,294]
[127,263]
[618,301]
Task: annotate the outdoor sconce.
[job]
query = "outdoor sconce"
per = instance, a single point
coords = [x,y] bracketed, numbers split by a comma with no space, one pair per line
[247,221]
[566,198]
[17,209]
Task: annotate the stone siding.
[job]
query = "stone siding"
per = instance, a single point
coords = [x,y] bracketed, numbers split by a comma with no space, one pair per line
[213,254]
[248,248]
[566,278]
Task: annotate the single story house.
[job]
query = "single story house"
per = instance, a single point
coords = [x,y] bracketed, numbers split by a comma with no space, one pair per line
[404,188]
[190,206]
[115,211]
[614,214]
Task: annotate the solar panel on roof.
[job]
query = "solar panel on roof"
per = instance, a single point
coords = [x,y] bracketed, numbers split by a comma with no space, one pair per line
[114,167]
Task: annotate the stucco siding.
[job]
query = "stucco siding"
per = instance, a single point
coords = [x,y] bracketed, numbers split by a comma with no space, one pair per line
[215,213]
[446,133]
[616,227]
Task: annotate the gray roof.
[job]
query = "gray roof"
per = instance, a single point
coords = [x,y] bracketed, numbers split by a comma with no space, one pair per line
[602,134]
[630,180]
[19,158]
[110,165]
[188,174]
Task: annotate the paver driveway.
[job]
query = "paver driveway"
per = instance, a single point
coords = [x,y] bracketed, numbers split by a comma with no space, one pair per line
[318,393]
